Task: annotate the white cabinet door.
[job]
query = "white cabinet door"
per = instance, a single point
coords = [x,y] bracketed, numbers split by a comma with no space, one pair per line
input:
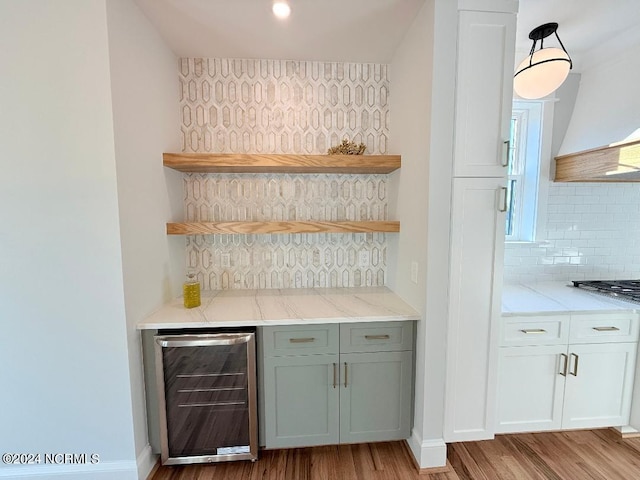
[530,388]
[477,246]
[486,44]
[599,385]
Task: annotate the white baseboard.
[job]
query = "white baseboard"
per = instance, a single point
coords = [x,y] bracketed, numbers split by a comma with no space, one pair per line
[125,470]
[146,461]
[428,453]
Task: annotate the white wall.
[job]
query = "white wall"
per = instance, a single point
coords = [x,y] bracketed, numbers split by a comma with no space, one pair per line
[144,86]
[607,108]
[63,350]
[422,125]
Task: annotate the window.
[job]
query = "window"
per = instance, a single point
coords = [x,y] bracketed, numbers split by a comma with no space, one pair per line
[523,175]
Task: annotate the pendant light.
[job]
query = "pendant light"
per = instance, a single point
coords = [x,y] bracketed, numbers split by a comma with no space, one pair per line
[544,70]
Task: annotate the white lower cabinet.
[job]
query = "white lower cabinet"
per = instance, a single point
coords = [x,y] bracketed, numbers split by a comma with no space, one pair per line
[530,391]
[599,385]
[477,242]
[566,385]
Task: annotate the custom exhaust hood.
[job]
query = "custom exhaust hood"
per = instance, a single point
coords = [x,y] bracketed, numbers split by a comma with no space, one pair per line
[618,162]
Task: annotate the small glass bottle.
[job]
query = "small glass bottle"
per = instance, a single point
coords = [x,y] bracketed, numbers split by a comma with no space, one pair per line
[191,291]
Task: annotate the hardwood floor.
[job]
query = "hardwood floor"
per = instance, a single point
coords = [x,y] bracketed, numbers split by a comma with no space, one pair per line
[576,455]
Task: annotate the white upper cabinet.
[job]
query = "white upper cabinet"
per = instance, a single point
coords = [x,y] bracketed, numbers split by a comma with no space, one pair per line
[486,45]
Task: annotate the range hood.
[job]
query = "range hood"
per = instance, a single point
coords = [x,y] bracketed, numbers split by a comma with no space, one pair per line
[618,162]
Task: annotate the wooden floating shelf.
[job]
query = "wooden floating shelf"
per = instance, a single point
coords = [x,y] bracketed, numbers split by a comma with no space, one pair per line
[209,228]
[616,163]
[280,163]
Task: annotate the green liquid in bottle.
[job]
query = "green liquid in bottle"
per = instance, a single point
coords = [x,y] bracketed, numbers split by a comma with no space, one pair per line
[191,292]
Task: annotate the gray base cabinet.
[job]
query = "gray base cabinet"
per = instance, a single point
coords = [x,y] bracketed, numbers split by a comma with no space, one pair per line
[376,400]
[302,402]
[330,384]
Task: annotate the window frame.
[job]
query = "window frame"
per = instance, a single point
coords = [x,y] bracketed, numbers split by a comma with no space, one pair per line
[534,152]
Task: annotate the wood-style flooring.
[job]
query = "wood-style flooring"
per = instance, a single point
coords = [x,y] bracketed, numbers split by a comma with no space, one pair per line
[575,455]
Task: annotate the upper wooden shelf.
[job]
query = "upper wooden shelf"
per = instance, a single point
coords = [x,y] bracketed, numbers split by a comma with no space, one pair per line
[615,163]
[280,163]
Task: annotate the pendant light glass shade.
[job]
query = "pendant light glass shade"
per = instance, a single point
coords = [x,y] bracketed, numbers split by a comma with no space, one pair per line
[544,70]
[541,73]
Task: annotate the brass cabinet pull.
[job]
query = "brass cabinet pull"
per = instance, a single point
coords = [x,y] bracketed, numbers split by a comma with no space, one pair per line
[377,337]
[345,374]
[335,375]
[565,364]
[505,158]
[504,199]
[302,340]
[606,329]
[575,365]
[529,331]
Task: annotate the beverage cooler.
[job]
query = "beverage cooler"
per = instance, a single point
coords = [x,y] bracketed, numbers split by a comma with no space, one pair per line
[207,396]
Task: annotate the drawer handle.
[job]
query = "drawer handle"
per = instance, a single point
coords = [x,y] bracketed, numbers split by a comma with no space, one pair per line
[575,365]
[377,337]
[529,331]
[302,340]
[565,364]
[606,329]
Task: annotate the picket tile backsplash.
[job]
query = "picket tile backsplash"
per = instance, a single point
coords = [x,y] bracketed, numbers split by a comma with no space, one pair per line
[273,106]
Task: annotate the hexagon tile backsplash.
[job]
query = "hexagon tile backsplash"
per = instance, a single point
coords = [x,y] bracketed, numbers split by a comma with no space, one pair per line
[273,106]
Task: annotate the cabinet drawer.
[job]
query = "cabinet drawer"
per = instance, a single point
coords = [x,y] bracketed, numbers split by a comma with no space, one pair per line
[300,340]
[376,337]
[538,330]
[604,328]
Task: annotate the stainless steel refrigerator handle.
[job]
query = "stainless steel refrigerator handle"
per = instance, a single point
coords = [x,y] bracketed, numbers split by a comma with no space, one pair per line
[204,340]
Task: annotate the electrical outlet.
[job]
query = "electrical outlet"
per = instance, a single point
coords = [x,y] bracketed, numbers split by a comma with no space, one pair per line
[363,259]
[225,260]
[414,272]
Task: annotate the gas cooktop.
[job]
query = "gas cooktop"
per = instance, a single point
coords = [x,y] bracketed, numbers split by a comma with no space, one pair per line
[622,289]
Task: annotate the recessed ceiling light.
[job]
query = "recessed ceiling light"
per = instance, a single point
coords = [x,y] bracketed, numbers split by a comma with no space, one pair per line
[281,9]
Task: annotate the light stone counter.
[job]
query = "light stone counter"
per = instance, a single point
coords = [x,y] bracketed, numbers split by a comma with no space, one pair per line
[236,308]
[558,297]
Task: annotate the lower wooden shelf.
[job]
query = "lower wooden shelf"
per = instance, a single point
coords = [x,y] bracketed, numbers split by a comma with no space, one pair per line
[209,228]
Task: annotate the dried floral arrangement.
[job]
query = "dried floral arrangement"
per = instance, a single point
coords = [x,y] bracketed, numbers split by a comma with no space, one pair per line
[347,148]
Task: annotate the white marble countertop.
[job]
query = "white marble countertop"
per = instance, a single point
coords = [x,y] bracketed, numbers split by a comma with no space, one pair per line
[558,297]
[233,308]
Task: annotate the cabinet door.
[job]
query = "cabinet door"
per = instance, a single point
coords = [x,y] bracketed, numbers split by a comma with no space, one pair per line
[301,401]
[477,246]
[486,44]
[599,385]
[530,388]
[375,396]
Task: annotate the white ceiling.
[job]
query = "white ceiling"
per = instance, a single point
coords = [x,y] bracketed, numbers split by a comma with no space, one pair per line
[584,27]
[370,30]
[325,30]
